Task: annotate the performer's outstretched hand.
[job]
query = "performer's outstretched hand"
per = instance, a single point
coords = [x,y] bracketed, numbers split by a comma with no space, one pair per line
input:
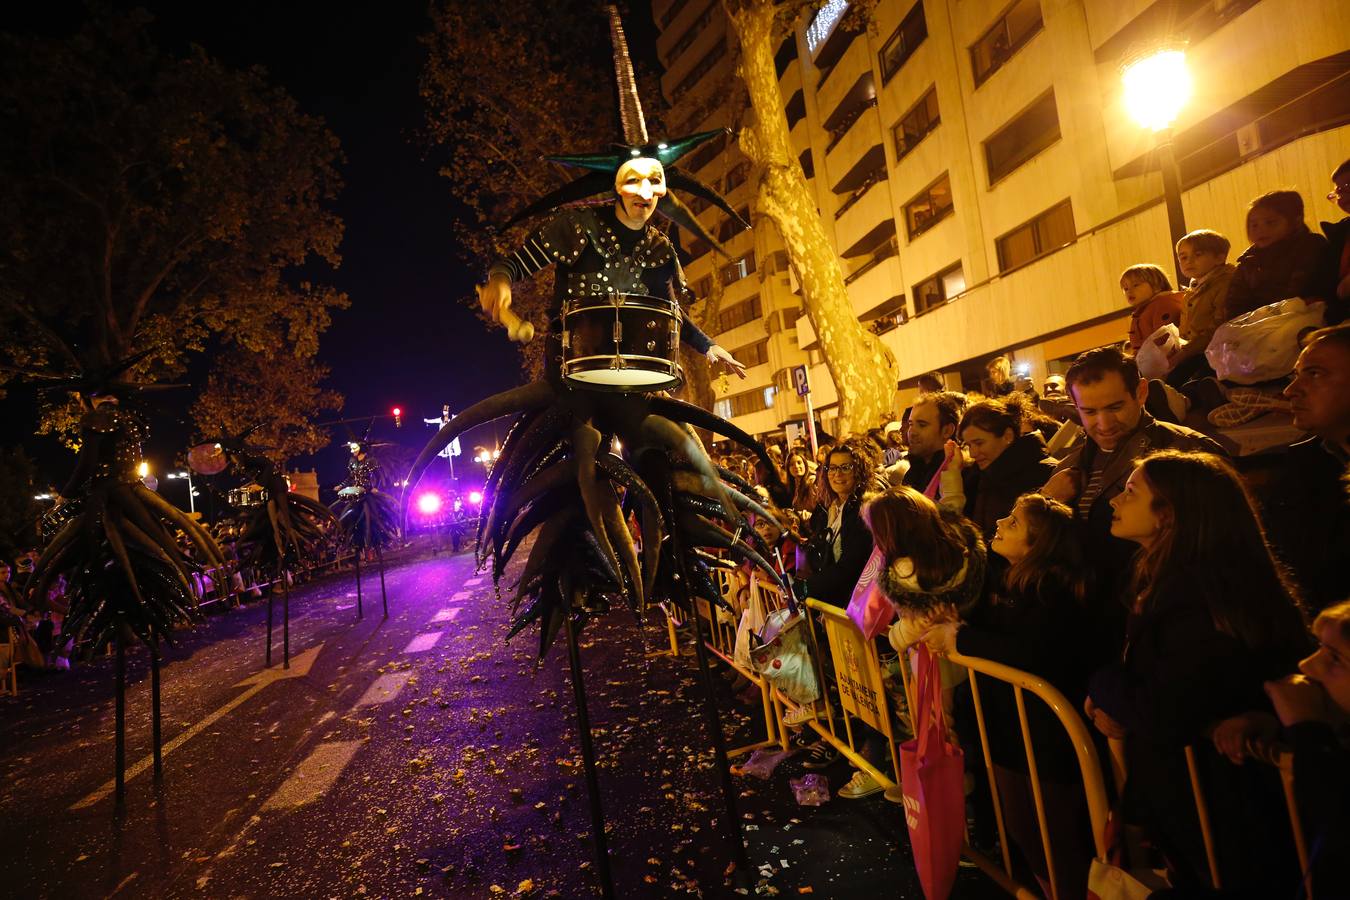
[495,298]
[718,355]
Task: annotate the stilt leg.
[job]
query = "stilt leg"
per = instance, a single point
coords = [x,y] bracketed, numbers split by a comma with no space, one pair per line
[156,735]
[384,597]
[120,719]
[269,628]
[285,619]
[588,762]
[360,614]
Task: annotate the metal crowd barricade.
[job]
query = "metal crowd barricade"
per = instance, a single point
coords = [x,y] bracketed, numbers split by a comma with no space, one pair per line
[9,662]
[1094,787]
[1279,758]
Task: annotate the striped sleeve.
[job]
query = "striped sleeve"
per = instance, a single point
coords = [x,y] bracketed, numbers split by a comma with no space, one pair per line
[527,259]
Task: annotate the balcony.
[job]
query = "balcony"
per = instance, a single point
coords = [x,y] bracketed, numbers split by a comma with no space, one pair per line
[844,79]
[875,287]
[854,222]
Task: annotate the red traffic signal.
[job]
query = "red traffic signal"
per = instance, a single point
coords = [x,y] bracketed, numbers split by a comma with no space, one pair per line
[398,416]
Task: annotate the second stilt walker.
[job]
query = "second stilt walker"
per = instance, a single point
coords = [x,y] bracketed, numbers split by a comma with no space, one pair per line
[369,515]
[598,440]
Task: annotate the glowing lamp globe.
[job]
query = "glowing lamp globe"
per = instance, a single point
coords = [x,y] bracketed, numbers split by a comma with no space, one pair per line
[475,497]
[1157,86]
[429,504]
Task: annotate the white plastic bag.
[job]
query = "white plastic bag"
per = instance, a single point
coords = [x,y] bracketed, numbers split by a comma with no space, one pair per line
[1263,344]
[1155,355]
[784,656]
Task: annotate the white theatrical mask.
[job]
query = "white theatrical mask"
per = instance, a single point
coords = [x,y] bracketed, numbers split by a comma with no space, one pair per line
[640,184]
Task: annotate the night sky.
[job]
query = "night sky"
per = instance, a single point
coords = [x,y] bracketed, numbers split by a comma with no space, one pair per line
[408,339]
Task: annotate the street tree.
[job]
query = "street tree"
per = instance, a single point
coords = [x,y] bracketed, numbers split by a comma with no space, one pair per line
[155,202]
[862,367]
[278,395]
[18,507]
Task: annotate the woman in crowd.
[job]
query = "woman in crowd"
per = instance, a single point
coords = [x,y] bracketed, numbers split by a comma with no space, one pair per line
[1038,621]
[1006,463]
[801,481]
[838,544]
[1211,619]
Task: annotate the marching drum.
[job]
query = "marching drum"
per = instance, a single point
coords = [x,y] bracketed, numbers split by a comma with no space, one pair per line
[252,495]
[621,342]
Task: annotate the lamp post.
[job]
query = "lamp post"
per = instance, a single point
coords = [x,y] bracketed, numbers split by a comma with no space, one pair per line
[192,493]
[1157,86]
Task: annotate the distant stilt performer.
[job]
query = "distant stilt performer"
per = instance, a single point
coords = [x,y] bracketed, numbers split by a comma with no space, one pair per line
[283,531]
[598,438]
[113,539]
[369,515]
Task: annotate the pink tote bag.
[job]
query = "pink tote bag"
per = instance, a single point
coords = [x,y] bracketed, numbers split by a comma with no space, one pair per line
[868,607]
[932,778]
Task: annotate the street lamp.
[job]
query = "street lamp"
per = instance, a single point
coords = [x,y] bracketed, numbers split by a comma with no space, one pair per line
[192,505]
[1157,86]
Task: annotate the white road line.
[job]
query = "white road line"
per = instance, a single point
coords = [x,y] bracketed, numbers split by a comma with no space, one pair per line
[474,582]
[446,615]
[314,776]
[385,688]
[460,597]
[424,642]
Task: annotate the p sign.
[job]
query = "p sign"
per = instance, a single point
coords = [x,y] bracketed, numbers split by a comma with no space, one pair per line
[801,380]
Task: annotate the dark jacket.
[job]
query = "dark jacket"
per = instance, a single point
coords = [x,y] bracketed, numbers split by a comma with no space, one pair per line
[1307,519]
[960,594]
[1322,786]
[833,580]
[991,492]
[921,471]
[1335,266]
[1287,268]
[1108,555]
[1180,675]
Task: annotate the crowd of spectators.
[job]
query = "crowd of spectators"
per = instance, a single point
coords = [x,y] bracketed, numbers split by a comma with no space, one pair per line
[1083,534]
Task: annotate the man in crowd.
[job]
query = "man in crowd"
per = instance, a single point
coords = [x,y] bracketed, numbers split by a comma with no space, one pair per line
[932,422]
[1307,514]
[1109,396]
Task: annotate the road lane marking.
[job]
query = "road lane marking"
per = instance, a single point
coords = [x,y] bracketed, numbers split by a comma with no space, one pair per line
[446,615]
[474,582]
[384,689]
[460,597]
[300,667]
[314,776]
[424,642]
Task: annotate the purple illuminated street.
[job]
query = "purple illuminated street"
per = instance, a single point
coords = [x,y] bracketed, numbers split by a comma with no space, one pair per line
[416,755]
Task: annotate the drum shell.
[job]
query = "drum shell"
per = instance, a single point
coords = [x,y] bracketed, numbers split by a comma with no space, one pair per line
[621,342]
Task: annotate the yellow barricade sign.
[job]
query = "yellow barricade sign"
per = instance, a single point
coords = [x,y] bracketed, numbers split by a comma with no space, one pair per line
[858,672]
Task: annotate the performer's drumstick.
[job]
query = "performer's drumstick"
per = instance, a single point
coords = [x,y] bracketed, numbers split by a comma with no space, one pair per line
[517,329]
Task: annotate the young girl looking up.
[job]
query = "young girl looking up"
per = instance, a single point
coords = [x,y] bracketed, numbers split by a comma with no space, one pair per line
[1284,259]
[1039,620]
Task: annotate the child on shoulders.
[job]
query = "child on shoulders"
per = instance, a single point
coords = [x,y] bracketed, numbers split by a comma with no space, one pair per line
[1155,303]
[1284,259]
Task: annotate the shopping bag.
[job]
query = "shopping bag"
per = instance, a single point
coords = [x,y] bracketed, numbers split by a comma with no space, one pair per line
[932,775]
[1108,879]
[869,608]
[745,633]
[784,656]
[1155,354]
[1263,344]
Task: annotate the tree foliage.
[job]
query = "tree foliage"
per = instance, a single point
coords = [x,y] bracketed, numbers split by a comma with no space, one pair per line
[18,508]
[279,393]
[154,201]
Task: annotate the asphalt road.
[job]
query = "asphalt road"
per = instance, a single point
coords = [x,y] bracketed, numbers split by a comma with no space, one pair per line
[418,755]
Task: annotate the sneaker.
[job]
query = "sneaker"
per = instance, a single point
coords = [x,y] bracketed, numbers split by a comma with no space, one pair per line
[860,785]
[798,716]
[821,755]
[896,794]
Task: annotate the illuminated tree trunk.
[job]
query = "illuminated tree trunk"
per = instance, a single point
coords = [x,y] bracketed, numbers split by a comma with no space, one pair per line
[863,369]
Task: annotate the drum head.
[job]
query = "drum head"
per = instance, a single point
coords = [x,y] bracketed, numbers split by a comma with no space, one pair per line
[207,459]
[624,380]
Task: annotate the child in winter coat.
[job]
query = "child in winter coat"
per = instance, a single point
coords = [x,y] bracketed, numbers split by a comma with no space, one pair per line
[1284,260]
[1202,257]
[1154,302]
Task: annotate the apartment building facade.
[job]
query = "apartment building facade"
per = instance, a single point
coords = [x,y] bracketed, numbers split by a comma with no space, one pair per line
[981,179]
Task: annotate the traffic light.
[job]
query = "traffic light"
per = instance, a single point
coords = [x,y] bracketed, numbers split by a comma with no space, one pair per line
[398,416]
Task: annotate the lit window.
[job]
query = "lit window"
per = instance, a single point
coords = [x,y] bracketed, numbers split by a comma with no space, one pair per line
[901,45]
[1036,128]
[931,206]
[1004,38]
[1049,231]
[916,124]
[933,292]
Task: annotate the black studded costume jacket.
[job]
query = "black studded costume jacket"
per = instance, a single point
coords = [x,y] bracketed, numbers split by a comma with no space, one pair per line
[596,254]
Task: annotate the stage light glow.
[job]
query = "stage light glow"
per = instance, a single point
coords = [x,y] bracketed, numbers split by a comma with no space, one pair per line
[429,504]
[475,497]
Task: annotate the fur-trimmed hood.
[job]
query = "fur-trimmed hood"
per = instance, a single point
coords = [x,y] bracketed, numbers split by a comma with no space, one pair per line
[961,591]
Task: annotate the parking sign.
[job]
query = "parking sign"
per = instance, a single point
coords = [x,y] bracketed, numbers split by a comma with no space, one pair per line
[801,380]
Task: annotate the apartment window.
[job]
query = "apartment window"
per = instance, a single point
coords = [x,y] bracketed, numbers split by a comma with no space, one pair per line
[738,315]
[730,227]
[933,292]
[746,403]
[1004,38]
[739,269]
[704,154]
[787,52]
[933,204]
[808,164]
[703,287]
[1032,131]
[901,45]
[702,67]
[691,33]
[697,247]
[756,354]
[916,124]
[737,176]
[1047,232]
[795,109]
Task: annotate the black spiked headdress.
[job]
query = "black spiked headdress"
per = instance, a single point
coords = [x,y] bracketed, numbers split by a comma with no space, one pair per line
[604,165]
